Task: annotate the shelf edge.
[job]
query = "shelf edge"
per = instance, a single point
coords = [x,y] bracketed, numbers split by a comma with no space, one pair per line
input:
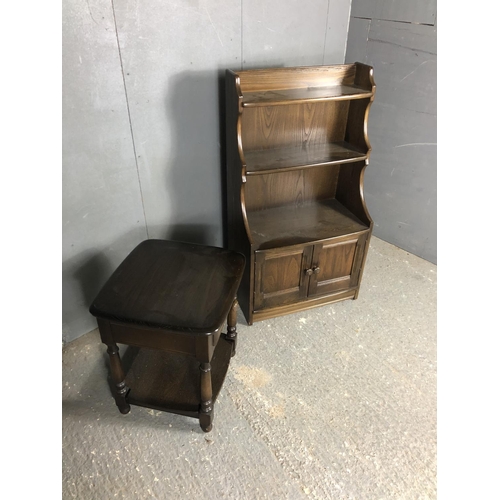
[284,102]
[300,167]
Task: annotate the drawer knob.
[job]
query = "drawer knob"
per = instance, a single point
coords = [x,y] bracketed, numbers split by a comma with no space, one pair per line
[309,272]
[316,270]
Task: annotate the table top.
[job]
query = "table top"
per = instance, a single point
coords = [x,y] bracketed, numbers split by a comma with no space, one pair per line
[181,287]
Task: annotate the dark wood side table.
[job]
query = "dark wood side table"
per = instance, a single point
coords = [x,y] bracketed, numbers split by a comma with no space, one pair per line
[171,300]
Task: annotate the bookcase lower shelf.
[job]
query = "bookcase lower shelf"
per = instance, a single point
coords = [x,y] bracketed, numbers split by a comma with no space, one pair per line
[291,224]
[171,382]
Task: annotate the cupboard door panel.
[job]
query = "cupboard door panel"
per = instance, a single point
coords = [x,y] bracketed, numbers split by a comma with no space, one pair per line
[337,264]
[280,276]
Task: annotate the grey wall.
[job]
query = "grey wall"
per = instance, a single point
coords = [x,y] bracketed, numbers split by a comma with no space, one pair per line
[141,119]
[399,40]
[103,216]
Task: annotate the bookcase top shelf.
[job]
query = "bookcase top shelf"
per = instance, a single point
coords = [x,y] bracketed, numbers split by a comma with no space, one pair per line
[281,86]
[299,95]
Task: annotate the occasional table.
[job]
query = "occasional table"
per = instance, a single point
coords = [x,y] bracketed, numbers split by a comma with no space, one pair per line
[171,300]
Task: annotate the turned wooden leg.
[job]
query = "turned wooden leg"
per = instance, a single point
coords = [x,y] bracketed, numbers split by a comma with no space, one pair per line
[118,378]
[206,407]
[231,334]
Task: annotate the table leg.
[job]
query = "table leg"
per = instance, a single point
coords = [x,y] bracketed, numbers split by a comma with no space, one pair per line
[231,334]
[118,378]
[206,410]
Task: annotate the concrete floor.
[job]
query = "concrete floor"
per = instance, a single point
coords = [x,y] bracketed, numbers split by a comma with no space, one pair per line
[338,402]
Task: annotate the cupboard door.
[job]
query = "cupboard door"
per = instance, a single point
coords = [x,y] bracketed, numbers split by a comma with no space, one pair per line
[336,264]
[281,276]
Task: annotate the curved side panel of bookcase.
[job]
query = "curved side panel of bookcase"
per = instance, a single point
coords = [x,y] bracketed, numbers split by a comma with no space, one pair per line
[238,231]
[367,72]
[241,155]
[366,76]
[359,109]
[362,194]
[236,165]
[351,181]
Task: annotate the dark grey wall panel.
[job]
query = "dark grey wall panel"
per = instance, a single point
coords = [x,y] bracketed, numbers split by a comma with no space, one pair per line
[173,55]
[358,39]
[336,31]
[406,63]
[284,33]
[101,203]
[400,182]
[411,11]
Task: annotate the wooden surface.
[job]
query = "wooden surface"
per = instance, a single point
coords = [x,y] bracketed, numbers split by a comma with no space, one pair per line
[357,122]
[293,274]
[261,80]
[297,157]
[303,305]
[286,96]
[297,147]
[338,264]
[350,191]
[177,286]
[236,231]
[171,299]
[280,277]
[153,338]
[294,187]
[171,382]
[290,225]
[313,123]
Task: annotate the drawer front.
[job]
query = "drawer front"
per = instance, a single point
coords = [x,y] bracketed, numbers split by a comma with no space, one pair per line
[336,264]
[280,276]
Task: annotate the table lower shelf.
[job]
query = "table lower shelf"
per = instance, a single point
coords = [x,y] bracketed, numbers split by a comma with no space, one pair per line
[171,382]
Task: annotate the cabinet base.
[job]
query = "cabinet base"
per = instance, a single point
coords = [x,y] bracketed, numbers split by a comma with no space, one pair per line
[303,305]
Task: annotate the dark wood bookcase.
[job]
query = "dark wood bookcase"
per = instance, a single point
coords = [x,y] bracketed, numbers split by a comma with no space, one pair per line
[297,148]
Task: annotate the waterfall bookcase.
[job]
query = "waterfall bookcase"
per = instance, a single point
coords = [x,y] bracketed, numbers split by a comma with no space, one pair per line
[297,148]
